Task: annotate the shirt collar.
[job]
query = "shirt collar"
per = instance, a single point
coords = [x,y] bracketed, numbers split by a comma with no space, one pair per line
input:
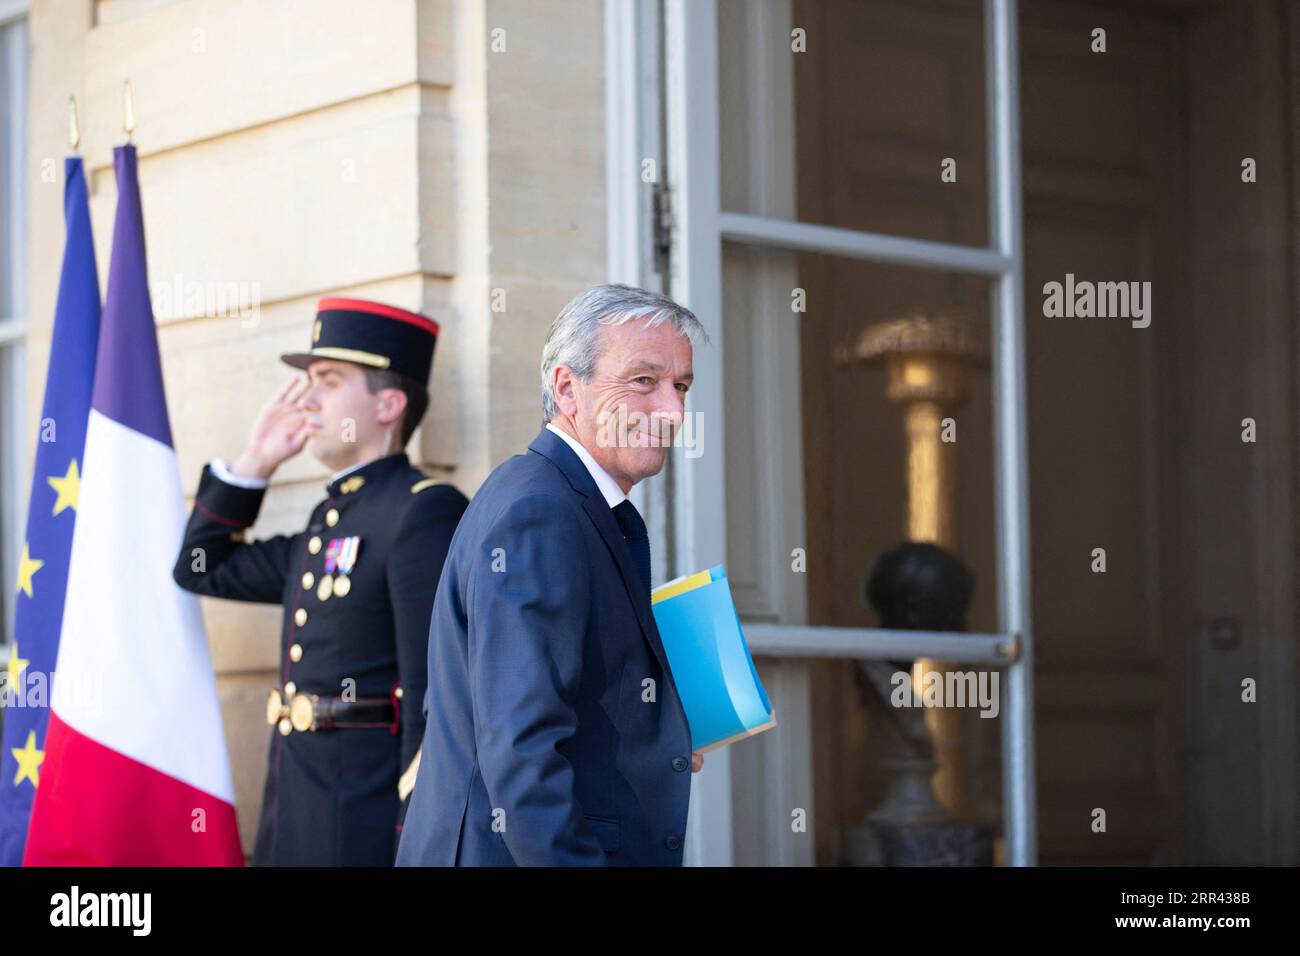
[609,488]
[367,469]
[346,471]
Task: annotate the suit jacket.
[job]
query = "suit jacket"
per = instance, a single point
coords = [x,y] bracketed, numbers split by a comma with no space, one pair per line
[331,795]
[555,735]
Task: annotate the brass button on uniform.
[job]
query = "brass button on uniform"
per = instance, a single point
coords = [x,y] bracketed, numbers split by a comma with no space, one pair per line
[308,580]
[300,616]
[398,693]
[314,545]
[295,653]
[286,727]
[332,517]
[290,689]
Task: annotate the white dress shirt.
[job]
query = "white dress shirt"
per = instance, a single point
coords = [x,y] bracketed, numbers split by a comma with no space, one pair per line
[221,469]
[614,495]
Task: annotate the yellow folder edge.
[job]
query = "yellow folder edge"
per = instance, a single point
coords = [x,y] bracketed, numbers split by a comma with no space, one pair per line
[740,736]
[680,586]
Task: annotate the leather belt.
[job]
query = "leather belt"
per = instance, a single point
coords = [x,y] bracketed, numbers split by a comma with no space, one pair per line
[308,713]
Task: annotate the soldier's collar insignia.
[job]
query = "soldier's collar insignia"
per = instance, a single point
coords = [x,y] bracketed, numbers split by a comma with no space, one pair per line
[377,469]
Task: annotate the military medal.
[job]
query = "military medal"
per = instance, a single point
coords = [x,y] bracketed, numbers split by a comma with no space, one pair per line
[345,562]
[328,585]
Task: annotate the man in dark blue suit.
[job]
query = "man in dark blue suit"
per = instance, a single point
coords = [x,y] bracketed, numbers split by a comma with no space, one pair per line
[555,735]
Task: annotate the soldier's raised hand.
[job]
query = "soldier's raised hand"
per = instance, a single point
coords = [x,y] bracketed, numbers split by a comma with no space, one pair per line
[279,432]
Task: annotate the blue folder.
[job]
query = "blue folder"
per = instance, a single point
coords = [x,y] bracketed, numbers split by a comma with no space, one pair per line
[712,668]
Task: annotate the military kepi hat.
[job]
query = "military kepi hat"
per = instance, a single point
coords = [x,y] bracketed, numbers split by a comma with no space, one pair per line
[373,335]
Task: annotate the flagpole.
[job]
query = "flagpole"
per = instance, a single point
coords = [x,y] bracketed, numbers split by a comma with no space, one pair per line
[128,111]
[74,129]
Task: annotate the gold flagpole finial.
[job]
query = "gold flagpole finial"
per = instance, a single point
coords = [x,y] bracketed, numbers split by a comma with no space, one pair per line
[74,130]
[128,111]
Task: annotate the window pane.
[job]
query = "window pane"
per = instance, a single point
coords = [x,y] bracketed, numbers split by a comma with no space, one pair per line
[854,130]
[831,462]
[13,110]
[13,306]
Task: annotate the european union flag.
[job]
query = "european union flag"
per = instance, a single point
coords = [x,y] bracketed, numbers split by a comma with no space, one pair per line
[51,515]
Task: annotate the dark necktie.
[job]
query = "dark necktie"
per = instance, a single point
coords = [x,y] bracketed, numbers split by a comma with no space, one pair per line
[638,540]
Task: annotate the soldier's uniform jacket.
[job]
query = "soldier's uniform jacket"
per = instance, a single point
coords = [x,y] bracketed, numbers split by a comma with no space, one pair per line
[379,538]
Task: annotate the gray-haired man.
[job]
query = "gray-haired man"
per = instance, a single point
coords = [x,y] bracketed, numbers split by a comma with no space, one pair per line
[555,734]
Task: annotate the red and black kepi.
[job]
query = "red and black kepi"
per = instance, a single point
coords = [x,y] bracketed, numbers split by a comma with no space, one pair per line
[371,334]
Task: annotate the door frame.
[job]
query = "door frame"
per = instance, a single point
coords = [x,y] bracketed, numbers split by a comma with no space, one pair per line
[662,103]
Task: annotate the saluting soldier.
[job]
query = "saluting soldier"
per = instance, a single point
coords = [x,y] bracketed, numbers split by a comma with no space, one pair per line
[357,585]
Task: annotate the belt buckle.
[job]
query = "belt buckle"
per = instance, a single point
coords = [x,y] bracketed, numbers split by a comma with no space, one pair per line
[302,712]
[276,707]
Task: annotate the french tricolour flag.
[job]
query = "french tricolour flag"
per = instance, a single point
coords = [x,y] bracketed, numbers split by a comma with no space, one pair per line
[135,770]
